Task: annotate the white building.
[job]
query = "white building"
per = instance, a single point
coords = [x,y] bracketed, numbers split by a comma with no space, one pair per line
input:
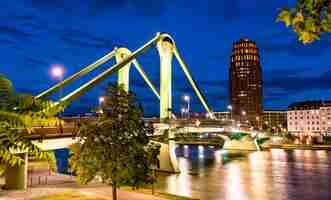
[325,122]
[311,118]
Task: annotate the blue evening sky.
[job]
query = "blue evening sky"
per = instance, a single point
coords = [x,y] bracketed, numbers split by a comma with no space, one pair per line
[34,34]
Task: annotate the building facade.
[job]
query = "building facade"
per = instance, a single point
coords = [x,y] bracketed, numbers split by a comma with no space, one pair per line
[311,118]
[6,91]
[245,86]
[222,115]
[274,119]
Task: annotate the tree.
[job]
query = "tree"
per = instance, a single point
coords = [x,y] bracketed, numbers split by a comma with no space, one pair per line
[13,141]
[16,120]
[115,148]
[309,19]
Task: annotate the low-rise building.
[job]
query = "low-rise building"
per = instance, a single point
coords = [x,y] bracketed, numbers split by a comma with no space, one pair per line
[222,115]
[310,118]
[275,119]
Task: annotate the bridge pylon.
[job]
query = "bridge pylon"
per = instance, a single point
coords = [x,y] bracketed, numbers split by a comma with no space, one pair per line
[123,73]
[165,47]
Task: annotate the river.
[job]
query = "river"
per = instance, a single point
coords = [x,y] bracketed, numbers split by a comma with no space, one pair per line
[210,173]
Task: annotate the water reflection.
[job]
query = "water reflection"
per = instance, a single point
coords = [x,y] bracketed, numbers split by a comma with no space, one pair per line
[211,173]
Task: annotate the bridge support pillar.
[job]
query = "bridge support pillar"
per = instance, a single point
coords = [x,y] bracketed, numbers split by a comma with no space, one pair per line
[167,157]
[165,47]
[16,178]
[123,73]
[247,143]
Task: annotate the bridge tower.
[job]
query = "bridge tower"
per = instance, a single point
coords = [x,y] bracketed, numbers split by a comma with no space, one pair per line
[165,47]
[123,73]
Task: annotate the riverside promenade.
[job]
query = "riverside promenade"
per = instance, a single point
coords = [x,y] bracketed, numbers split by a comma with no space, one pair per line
[59,184]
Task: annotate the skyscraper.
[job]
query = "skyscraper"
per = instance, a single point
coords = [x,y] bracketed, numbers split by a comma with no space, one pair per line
[245,86]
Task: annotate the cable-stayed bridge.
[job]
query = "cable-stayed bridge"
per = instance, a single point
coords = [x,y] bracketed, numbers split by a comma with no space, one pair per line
[66,134]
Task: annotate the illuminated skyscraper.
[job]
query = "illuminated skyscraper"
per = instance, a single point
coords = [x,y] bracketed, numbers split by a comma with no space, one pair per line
[245,86]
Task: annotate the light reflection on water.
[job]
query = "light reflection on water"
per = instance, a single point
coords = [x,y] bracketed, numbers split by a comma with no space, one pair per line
[211,173]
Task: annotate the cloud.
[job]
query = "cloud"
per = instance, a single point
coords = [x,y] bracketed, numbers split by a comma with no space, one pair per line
[36,61]
[83,39]
[285,71]
[4,41]
[294,84]
[291,46]
[214,83]
[141,7]
[14,33]
[97,7]
[228,10]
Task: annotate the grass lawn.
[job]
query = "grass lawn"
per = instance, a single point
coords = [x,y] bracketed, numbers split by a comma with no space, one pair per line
[77,196]
[69,196]
[159,194]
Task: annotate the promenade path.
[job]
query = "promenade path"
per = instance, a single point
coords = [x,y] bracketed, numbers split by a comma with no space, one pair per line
[63,184]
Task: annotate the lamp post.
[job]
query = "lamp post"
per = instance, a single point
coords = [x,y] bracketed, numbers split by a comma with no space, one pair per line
[187,99]
[230,109]
[182,111]
[266,125]
[258,122]
[243,113]
[101,101]
[280,127]
[57,71]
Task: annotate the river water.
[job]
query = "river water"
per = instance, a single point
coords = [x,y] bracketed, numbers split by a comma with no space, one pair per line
[210,173]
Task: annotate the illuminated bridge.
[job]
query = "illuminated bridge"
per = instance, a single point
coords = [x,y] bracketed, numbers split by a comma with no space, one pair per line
[64,134]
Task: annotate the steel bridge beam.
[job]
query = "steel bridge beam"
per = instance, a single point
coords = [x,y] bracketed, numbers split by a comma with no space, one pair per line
[85,87]
[123,73]
[75,76]
[193,83]
[166,48]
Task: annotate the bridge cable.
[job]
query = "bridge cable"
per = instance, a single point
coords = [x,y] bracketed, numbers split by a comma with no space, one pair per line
[75,76]
[192,82]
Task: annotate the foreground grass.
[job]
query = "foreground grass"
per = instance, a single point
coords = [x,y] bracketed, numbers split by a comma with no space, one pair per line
[159,194]
[69,196]
[78,196]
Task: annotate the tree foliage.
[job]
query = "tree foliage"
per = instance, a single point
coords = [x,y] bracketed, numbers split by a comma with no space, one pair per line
[13,141]
[17,116]
[309,19]
[116,147]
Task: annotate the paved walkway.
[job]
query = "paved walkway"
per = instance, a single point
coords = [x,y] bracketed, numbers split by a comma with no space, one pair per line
[61,184]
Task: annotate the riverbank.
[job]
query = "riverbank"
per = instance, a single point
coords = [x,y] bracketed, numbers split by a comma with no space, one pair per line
[299,146]
[63,187]
[205,143]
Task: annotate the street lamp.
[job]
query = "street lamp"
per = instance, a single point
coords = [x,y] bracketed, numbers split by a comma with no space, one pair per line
[230,108]
[187,99]
[182,111]
[101,100]
[243,113]
[57,71]
[266,125]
